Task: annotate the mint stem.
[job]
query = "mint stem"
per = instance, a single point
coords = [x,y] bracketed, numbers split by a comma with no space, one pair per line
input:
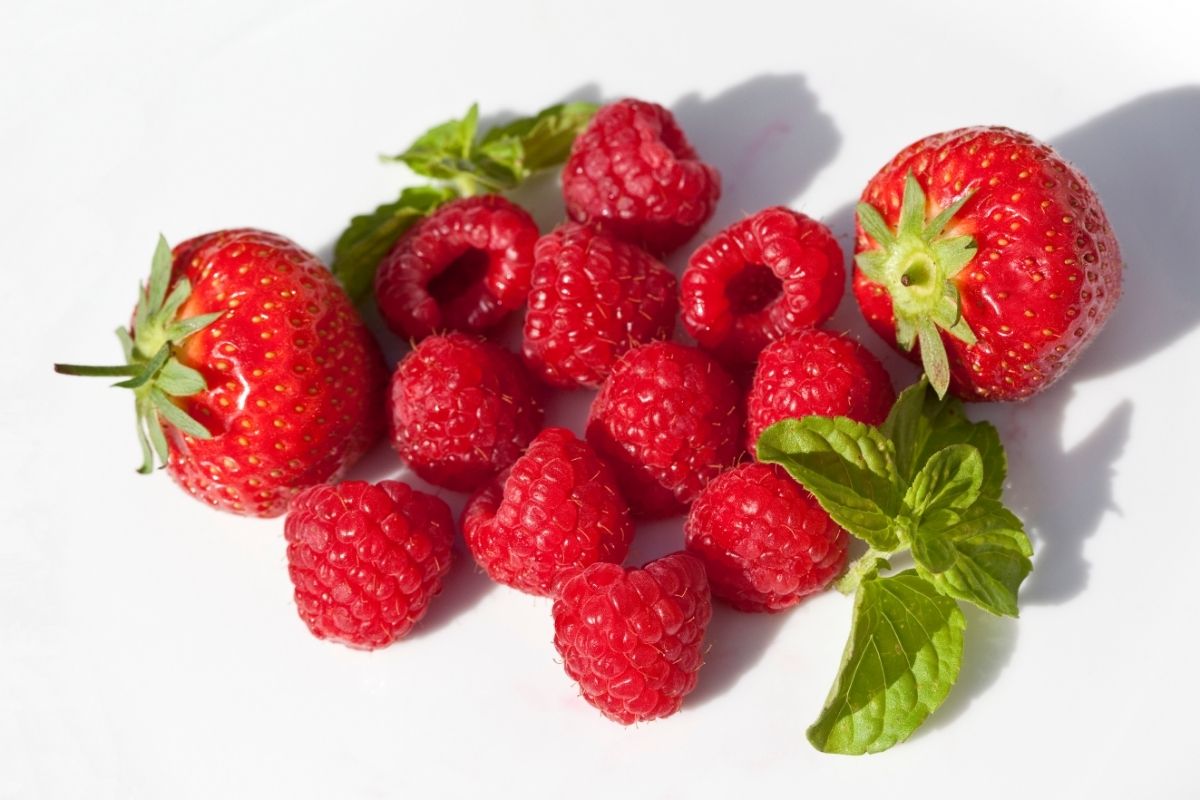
[863,567]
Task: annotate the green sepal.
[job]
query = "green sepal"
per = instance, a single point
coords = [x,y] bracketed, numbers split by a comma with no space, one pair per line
[918,266]
[369,237]
[902,657]
[153,370]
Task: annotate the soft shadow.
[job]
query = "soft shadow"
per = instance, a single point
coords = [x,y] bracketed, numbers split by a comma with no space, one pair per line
[1142,158]
[1062,494]
[465,586]
[736,642]
[768,136]
[988,645]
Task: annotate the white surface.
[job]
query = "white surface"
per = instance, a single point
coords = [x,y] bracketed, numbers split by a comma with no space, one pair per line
[149,647]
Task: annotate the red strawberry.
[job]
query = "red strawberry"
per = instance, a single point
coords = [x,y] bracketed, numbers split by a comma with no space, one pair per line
[759,279]
[633,174]
[816,372]
[461,410]
[366,559]
[253,375]
[632,637]
[593,298]
[556,507]
[764,540]
[993,254]
[669,420]
[464,267]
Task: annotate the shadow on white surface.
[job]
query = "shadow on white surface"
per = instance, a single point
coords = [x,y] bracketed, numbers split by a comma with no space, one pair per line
[768,137]
[465,586]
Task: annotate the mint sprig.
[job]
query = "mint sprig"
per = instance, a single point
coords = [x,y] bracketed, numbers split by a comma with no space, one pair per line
[927,481]
[462,164]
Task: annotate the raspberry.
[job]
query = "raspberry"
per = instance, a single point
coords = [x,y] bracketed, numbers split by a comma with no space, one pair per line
[366,559]
[593,298]
[633,174]
[816,372]
[668,419]
[462,409]
[556,507]
[758,280]
[464,267]
[632,637]
[764,540]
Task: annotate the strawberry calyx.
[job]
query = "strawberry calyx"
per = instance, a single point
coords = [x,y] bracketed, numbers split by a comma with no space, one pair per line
[153,370]
[917,265]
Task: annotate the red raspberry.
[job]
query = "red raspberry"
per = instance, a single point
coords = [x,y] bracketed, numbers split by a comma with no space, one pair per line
[556,507]
[763,538]
[593,298]
[366,559]
[632,637]
[759,280]
[669,420]
[816,372]
[633,174]
[464,267]
[462,409]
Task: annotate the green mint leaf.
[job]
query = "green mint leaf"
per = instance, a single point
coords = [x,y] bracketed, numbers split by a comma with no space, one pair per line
[530,144]
[920,424]
[951,478]
[980,555]
[849,467]
[444,151]
[902,657]
[369,237]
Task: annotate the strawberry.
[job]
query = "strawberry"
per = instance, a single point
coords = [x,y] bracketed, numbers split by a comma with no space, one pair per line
[990,252]
[252,373]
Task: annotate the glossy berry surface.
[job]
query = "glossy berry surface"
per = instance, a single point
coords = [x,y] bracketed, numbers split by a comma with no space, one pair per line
[461,410]
[632,638]
[1046,271]
[633,174]
[295,383]
[366,559]
[669,420]
[758,280]
[557,507]
[816,372]
[593,298]
[765,541]
[464,267]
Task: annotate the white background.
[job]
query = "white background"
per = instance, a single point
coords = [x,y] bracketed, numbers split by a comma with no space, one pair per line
[149,647]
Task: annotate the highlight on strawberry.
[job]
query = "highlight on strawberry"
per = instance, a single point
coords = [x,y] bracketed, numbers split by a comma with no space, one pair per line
[252,374]
[985,253]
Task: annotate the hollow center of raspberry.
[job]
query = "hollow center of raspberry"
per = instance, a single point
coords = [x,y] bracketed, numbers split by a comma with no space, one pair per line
[753,289]
[463,272]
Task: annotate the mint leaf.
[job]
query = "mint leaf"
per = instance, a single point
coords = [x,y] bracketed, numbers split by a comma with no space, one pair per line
[849,467]
[363,245]
[505,156]
[528,145]
[951,478]
[444,151]
[902,657]
[980,555]
[920,425]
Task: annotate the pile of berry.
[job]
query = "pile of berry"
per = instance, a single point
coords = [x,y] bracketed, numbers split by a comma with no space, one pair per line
[980,253]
